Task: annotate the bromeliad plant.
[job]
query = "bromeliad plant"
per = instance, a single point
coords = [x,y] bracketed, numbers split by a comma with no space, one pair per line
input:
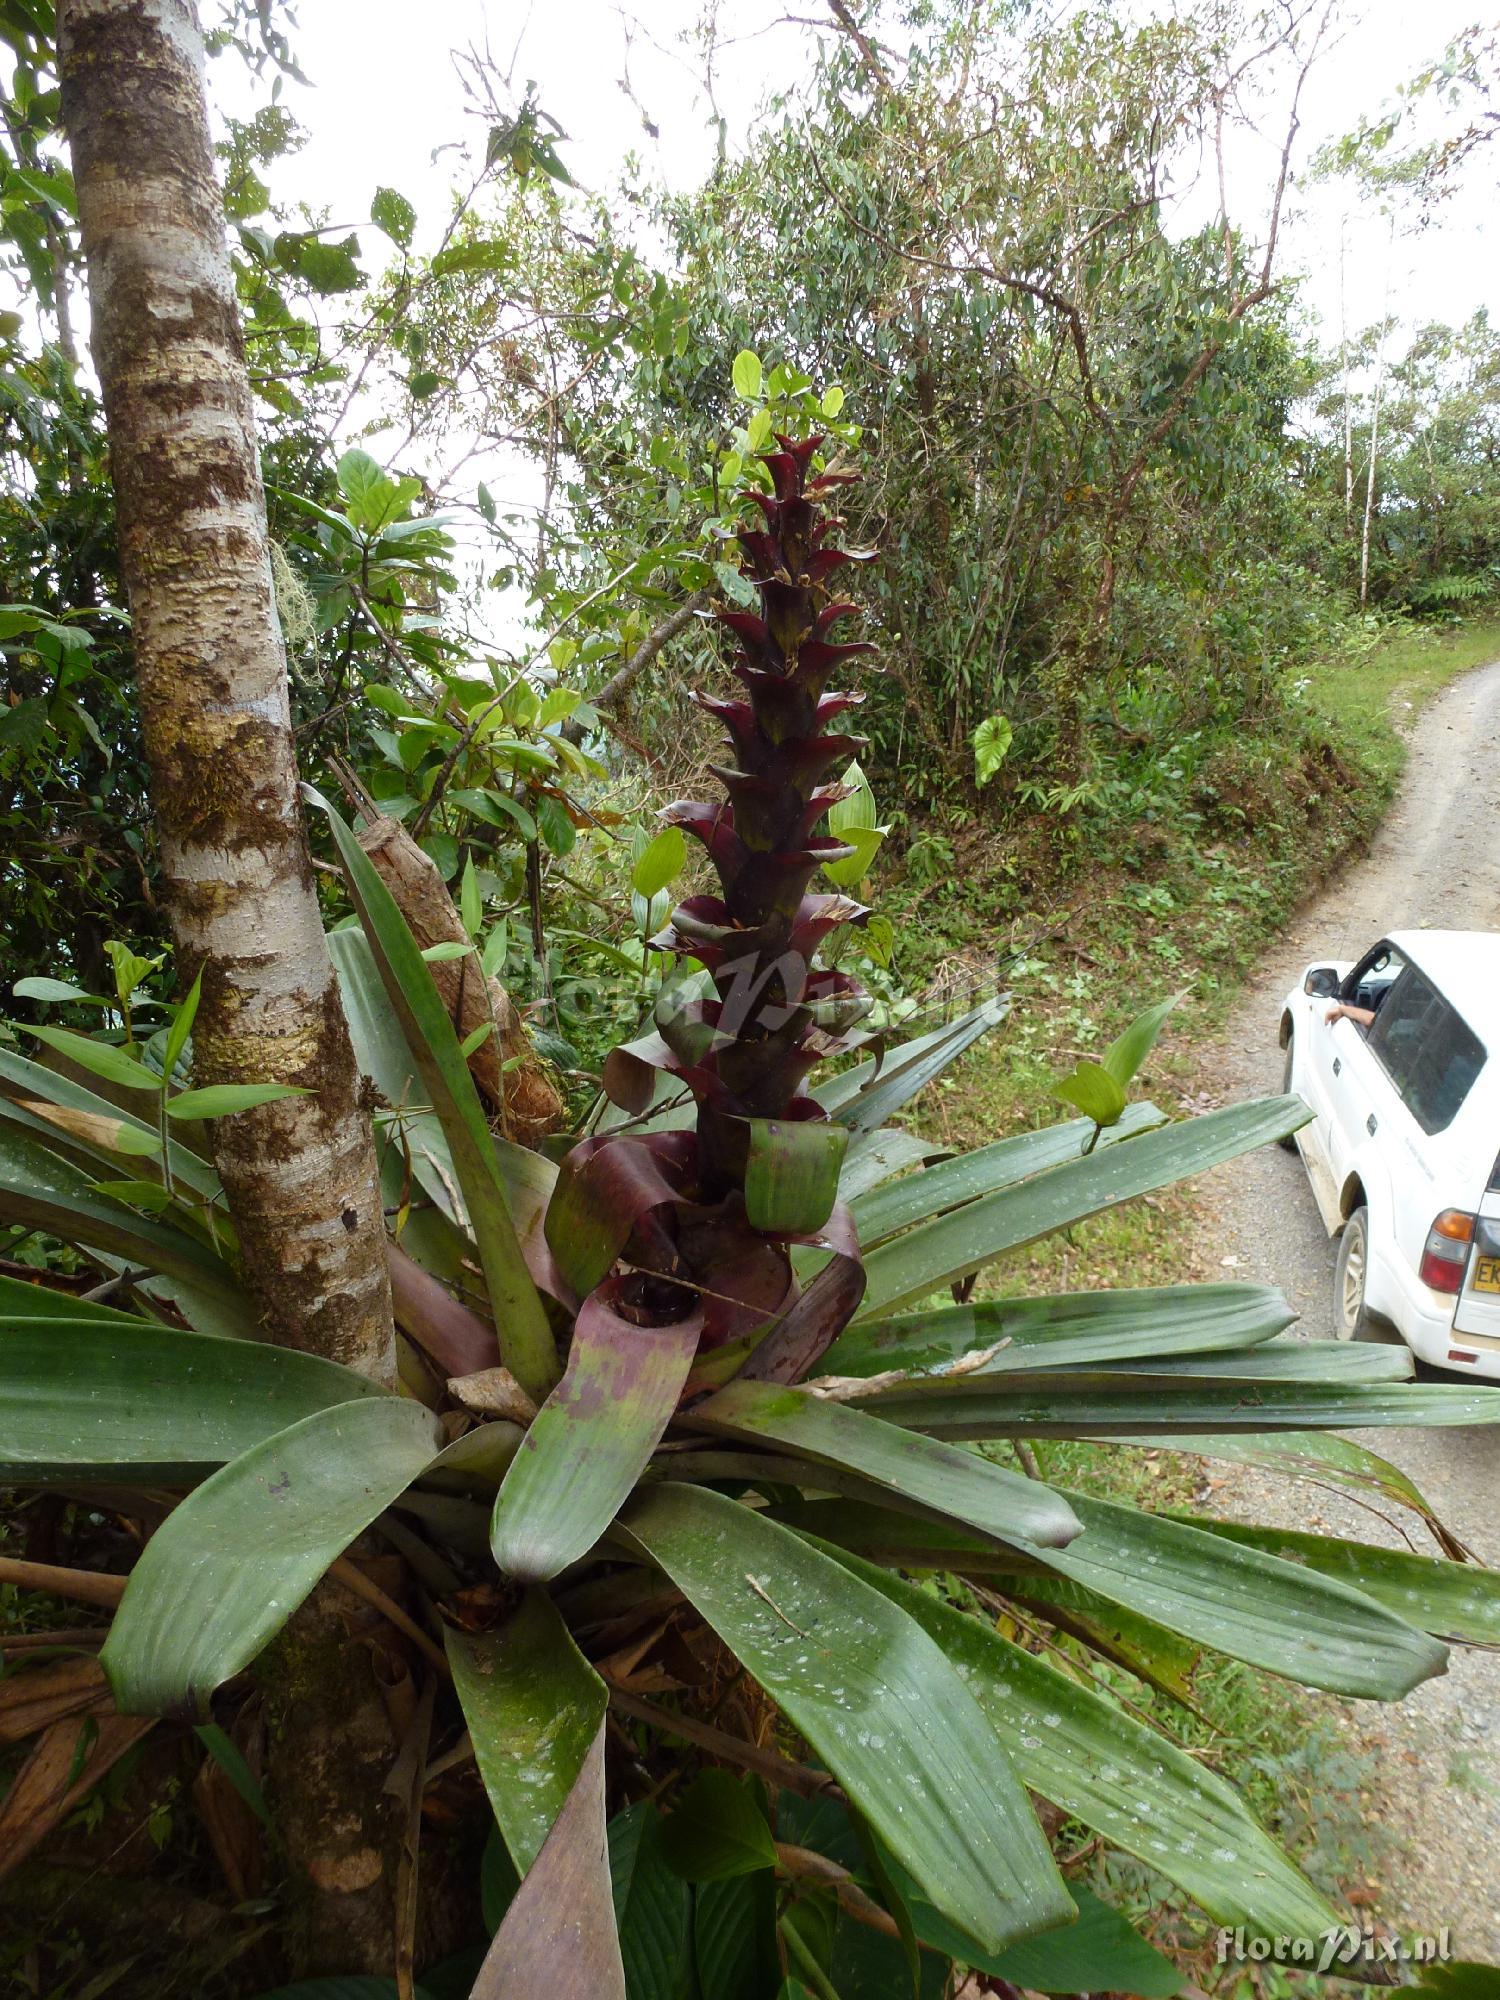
[712,1400]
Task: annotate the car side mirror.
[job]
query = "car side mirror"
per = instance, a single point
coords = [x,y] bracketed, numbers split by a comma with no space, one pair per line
[1322,982]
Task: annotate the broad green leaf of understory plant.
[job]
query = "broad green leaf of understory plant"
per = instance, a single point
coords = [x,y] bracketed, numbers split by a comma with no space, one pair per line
[230,1564]
[717,1830]
[992,741]
[533,1705]
[1098,1089]
[654,1909]
[1090,1088]
[875,1700]
[1130,1049]
[747,375]
[856,822]
[659,863]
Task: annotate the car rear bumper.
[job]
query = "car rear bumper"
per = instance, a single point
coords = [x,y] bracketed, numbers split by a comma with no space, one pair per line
[1424,1319]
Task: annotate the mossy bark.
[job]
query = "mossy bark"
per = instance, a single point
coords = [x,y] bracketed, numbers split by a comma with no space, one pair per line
[211,669]
[300,1175]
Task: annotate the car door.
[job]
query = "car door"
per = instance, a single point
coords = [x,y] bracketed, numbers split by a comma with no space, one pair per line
[1357,1088]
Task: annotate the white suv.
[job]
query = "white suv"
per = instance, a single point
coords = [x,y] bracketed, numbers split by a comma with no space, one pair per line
[1401,1150]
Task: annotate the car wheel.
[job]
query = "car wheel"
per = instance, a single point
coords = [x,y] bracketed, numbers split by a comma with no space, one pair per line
[1289,1143]
[1352,1318]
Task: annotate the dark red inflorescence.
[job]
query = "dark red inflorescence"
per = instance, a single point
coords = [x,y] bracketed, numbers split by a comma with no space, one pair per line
[745,1047]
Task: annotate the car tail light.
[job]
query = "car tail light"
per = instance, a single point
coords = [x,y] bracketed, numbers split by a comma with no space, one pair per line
[1446,1250]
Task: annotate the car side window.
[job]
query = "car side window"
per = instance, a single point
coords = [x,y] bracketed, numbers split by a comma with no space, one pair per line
[1428,1050]
[1373,978]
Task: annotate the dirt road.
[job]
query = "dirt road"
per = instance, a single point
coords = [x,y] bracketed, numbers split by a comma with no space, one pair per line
[1435,864]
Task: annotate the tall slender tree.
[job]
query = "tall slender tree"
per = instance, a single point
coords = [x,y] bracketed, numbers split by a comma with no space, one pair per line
[211,669]
[300,1174]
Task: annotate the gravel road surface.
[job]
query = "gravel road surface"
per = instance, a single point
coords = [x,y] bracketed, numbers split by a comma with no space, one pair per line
[1434,864]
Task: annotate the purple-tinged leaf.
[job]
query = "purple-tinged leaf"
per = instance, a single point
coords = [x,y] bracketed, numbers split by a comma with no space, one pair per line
[447,1331]
[533,1705]
[605,1188]
[592,1438]
[811,1324]
[558,1936]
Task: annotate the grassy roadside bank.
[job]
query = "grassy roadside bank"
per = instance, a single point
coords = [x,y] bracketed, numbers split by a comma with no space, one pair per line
[1173,882]
[1188,910]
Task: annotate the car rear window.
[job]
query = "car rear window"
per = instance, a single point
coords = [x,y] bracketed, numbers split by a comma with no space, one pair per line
[1428,1049]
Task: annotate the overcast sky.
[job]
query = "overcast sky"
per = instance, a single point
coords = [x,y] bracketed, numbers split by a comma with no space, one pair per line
[385,105]
[386,94]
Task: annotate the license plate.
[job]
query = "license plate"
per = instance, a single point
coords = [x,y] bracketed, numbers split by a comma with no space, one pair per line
[1487,1274]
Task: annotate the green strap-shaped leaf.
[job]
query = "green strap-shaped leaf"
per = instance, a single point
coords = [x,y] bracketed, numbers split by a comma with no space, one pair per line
[876,1700]
[121,1398]
[1452,1599]
[1255,1607]
[1125,1781]
[533,1705]
[382,1054]
[22,1301]
[1319,1455]
[590,1441]
[526,1343]
[1118,1406]
[558,1936]
[875,1157]
[1068,1329]
[792,1175]
[1332,1362]
[1274,1614]
[957,1484]
[43,1191]
[227,1568]
[918,1197]
[865,1095]
[907,1269]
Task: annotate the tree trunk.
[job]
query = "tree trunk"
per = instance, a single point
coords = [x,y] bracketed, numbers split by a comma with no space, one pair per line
[1364,535]
[300,1174]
